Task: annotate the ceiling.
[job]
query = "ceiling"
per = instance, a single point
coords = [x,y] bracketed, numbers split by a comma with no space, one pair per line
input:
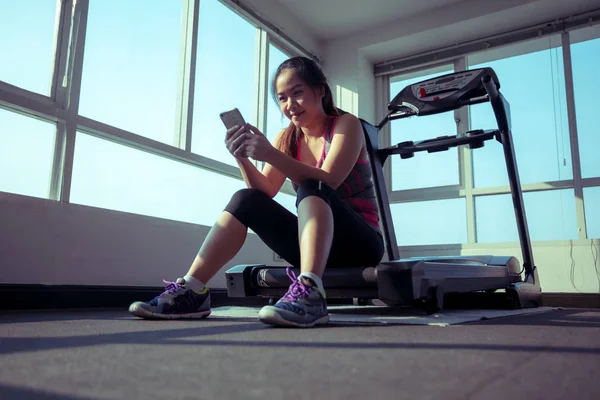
[388,29]
[333,19]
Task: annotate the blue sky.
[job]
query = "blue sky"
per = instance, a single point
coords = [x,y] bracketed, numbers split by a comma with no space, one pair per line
[129,80]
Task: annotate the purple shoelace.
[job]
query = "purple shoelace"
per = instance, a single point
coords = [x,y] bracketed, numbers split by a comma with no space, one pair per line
[297,289]
[171,286]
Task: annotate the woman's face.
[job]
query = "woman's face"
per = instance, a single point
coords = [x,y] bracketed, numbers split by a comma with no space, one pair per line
[298,101]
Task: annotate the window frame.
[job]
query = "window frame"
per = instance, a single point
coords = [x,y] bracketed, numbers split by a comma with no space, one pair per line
[61,106]
[466,187]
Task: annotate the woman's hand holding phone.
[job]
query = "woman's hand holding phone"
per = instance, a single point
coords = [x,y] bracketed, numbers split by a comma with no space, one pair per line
[244,140]
[257,146]
[235,141]
[248,141]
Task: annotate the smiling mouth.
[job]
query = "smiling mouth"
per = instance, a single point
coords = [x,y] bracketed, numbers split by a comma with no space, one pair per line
[297,115]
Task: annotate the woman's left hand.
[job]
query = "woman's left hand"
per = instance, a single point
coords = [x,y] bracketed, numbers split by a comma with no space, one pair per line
[256,145]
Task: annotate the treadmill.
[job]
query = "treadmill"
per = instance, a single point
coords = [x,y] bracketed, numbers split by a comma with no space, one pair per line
[424,281]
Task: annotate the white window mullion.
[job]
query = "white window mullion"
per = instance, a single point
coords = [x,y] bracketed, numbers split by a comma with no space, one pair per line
[73,88]
[29,103]
[58,89]
[155,147]
[261,83]
[262,80]
[465,160]
[572,117]
[525,187]
[385,134]
[57,161]
[187,75]
[62,33]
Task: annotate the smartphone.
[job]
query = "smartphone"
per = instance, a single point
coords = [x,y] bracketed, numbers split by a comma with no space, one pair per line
[232,118]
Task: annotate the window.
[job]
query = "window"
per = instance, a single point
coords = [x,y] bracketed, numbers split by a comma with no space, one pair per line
[555,220]
[225,77]
[533,84]
[276,121]
[27,46]
[430,222]
[131,65]
[287,201]
[585,61]
[424,169]
[117,177]
[591,200]
[26,149]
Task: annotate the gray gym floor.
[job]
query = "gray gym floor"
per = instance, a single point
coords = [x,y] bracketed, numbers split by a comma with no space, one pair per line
[364,353]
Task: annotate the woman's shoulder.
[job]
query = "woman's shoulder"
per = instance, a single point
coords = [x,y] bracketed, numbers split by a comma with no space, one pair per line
[347,117]
[347,122]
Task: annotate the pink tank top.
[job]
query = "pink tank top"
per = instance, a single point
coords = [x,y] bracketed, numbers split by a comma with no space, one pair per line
[357,190]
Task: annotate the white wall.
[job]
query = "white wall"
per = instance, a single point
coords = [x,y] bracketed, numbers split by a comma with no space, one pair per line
[340,67]
[352,82]
[46,242]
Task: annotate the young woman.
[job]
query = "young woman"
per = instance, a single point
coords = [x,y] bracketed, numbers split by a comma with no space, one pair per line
[324,155]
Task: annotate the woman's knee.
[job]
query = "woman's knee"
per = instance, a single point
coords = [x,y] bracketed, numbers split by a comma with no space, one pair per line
[244,201]
[313,187]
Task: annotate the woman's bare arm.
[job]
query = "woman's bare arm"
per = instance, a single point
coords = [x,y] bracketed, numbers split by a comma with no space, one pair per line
[269,181]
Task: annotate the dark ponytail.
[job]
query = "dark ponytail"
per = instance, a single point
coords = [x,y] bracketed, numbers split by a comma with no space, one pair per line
[312,75]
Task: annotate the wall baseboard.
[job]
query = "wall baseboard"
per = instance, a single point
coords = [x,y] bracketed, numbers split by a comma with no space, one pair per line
[572,300]
[46,297]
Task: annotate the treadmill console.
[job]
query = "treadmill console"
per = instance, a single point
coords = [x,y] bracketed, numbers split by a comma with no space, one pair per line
[435,89]
[443,93]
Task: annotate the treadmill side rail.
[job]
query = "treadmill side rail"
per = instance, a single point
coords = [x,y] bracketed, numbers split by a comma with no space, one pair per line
[408,280]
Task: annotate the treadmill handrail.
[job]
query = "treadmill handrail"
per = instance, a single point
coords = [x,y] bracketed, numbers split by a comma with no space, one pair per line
[440,143]
[501,110]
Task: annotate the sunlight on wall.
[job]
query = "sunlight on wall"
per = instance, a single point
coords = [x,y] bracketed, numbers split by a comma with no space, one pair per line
[346,99]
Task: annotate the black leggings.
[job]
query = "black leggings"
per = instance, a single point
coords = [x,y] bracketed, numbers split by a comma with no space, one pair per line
[355,242]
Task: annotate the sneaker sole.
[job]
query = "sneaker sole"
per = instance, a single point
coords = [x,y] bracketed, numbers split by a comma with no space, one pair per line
[273,317]
[143,313]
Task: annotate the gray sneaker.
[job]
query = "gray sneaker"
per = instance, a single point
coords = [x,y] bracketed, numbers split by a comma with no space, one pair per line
[176,302]
[302,306]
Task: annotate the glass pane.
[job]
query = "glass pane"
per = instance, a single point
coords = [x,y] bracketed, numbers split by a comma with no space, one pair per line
[276,121]
[288,201]
[109,175]
[27,32]
[225,77]
[556,220]
[26,152]
[591,201]
[424,169]
[430,222]
[533,84]
[131,66]
[585,60]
